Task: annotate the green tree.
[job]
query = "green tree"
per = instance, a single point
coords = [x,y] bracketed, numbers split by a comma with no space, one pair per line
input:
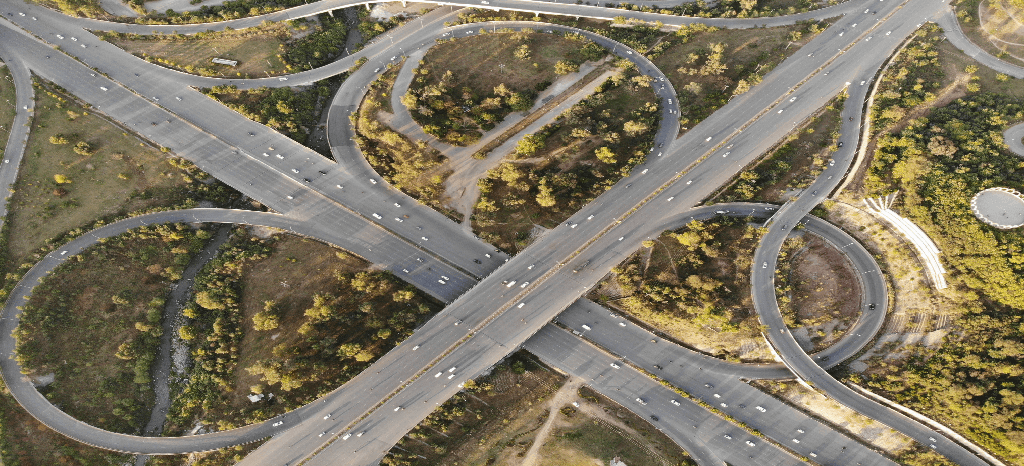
[605,155]
[58,139]
[83,148]
[61,179]
[566,67]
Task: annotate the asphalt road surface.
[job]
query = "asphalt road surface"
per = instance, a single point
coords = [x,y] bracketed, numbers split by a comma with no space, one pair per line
[485,323]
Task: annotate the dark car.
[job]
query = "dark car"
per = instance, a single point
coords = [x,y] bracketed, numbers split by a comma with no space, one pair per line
[871,306]
[654,418]
[840,143]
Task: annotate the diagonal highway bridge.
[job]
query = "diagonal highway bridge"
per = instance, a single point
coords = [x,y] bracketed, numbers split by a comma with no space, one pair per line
[483,325]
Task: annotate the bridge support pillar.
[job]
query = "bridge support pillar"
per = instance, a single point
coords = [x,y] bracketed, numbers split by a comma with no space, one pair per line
[403,4]
[330,12]
[536,15]
[368,7]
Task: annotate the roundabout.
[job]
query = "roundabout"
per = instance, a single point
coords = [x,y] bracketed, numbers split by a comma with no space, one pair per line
[1002,208]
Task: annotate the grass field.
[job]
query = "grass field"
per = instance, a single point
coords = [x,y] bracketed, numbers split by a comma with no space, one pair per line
[567,163]
[255,50]
[102,375]
[523,407]
[332,313]
[481,62]
[721,321]
[746,55]
[122,175]
[469,84]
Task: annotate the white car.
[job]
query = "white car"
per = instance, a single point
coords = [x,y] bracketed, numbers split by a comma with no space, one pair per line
[282,78]
[614,366]
[510,284]
[438,374]
[346,436]
[674,402]
[328,416]
[373,181]
[641,401]
[574,225]
[278,423]
[622,324]
[760,409]
[399,220]
[524,284]
[377,216]
[751,443]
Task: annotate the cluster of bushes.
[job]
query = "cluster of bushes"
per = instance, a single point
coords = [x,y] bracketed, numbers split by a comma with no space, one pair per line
[722,9]
[86,8]
[370,27]
[938,162]
[797,161]
[287,110]
[913,78]
[696,290]
[232,9]
[214,330]
[316,49]
[343,332]
[125,312]
[605,136]
[405,164]
[449,108]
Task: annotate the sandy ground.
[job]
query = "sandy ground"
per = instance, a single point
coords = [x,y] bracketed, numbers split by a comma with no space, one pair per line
[918,313]
[875,433]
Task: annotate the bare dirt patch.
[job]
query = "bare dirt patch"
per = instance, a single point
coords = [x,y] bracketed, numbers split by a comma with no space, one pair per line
[863,428]
[826,294]
[256,50]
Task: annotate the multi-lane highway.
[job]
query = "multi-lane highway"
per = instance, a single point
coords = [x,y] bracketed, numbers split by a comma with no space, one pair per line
[485,323]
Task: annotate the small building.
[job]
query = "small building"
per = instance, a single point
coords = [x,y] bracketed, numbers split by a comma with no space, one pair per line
[224,61]
[255,397]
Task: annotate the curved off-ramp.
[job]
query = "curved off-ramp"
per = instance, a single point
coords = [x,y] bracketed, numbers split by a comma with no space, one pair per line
[947,20]
[631,341]
[40,408]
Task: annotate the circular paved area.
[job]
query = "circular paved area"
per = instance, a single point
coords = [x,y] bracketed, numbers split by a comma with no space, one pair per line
[1000,207]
